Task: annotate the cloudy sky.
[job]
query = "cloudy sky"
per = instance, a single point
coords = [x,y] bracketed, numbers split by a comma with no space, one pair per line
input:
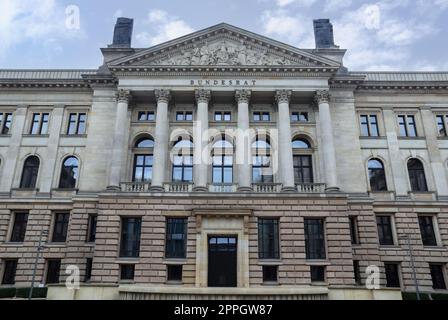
[379,35]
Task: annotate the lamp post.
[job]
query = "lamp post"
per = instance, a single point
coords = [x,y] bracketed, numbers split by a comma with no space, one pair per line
[39,249]
[411,256]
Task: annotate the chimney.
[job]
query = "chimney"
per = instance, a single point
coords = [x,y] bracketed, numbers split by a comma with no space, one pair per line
[323,32]
[123,33]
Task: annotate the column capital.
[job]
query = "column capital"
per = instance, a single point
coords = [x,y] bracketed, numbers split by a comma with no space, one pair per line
[322,96]
[123,96]
[283,96]
[243,96]
[162,95]
[203,95]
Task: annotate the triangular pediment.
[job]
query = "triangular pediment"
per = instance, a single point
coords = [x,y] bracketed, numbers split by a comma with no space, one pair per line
[227,46]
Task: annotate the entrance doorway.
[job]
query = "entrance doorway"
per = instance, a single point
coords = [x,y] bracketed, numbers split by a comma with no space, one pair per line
[222,261]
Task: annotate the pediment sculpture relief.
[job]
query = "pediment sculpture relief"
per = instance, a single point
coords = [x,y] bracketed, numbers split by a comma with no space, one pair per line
[223,53]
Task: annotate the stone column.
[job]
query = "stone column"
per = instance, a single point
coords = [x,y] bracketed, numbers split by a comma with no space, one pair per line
[328,150]
[286,165]
[201,137]
[438,170]
[163,98]
[119,146]
[243,142]
[11,159]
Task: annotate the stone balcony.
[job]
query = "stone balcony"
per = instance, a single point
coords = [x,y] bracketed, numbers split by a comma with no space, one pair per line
[145,187]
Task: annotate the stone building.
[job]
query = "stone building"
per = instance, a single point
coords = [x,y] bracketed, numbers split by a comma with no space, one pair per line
[224,164]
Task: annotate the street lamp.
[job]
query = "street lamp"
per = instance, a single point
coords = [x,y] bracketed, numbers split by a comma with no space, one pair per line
[39,250]
[407,237]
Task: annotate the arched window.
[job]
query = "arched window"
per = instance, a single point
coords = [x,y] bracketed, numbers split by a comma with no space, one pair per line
[30,172]
[222,153]
[303,161]
[417,176]
[143,160]
[183,161]
[69,173]
[261,161]
[377,175]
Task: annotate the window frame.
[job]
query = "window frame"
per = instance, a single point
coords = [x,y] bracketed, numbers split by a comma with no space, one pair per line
[354,230]
[78,122]
[263,154]
[48,274]
[369,125]
[13,227]
[225,116]
[148,114]
[5,281]
[65,184]
[63,237]
[268,270]
[434,227]
[297,116]
[171,251]
[375,174]
[392,230]
[34,173]
[135,250]
[6,119]
[91,228]
[88,271]
[169,273]
[408,129]
[41,125]
[391,282]
[123,275]
[415,175]
[313,254]
[444,125]
[273,252]
[261,116]
[443,275]
[322,271]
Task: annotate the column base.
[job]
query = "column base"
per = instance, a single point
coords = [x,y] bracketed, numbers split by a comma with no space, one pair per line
[200,189]
[113,188]
[332,189]
[245,189]
[157,189]
[289,189]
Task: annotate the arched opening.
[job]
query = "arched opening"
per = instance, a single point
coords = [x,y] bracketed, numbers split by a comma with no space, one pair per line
[69,173]
[30,173]
[262,161]
[417,176]
[377,175]
[303,161]
[182,157]
[222,161]
[143,160]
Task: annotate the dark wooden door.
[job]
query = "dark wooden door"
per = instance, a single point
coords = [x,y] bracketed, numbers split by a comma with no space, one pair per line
[222,261]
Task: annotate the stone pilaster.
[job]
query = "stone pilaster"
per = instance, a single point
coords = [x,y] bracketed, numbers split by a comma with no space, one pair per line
[243,142]
[201,140]
[163,98]
[286,166]
[119,145]
[322,99]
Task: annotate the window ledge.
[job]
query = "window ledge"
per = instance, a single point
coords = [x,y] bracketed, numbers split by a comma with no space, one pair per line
[5,135]
[174,283]
[270,262]
[127,260]
[271,284]
[73,135]
[36,136]
[372,137]
[318,263]
[390,247]
[175,261]
[56,244]
[434,248]
[412,138]
[13,244]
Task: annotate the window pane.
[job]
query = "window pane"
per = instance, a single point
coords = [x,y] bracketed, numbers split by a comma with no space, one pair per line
[130,237]
[218,116]
[19,228]
[402,126]
[89,266]
[189,116]
[392,275]
[374,132]
[53,271]
[174,273]
[427,230]
[268,239]
[441,126]
[227,116]
[412,128]
[30,172]
[72,124]
[315,239]
[217,175]
[145,143]
[270,273]
[176,238]
[417,176]
[44,125]
[92,228]
[60,228]
[82,123]
[385,233]
[69,173]
[364,126]
[354,230]
[228,175]
[437,275]
[317,274]
[127,272]
[9,272]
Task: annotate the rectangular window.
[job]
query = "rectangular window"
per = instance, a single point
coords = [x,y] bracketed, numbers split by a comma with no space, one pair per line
[89,265]
[427,231]
[61,221]
[357,272]
[262,116]
[407,126]
[270,274]
[438,277]
[268,239]
[53,271]
[315,239]
[19,227]
[77,124]
[184,116]
[9,272]
[299,117]
[369,126]
[174,273]
[5,122]
[127,272]
[39,124]
[146,116]
[385,230]
[176,238]
[91,231]
[223,116]
[317,274]
[130,237]
[354,231]
[392,275]
[441,125]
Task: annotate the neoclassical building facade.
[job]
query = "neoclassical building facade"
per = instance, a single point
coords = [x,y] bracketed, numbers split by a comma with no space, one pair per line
[224,164]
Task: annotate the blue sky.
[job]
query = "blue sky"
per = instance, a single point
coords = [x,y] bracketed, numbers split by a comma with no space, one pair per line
[379,35]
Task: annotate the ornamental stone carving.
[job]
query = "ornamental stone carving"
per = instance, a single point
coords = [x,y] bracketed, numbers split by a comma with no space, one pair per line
[283,96]
[223,53]
[243,96]
[203,96]
[322,96]
[123,96]
[163,95]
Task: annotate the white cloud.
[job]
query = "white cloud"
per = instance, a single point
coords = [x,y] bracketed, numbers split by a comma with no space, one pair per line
[303,3]
[165,28]
[335,5]
[23,21]
[118,14]
[291,28]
